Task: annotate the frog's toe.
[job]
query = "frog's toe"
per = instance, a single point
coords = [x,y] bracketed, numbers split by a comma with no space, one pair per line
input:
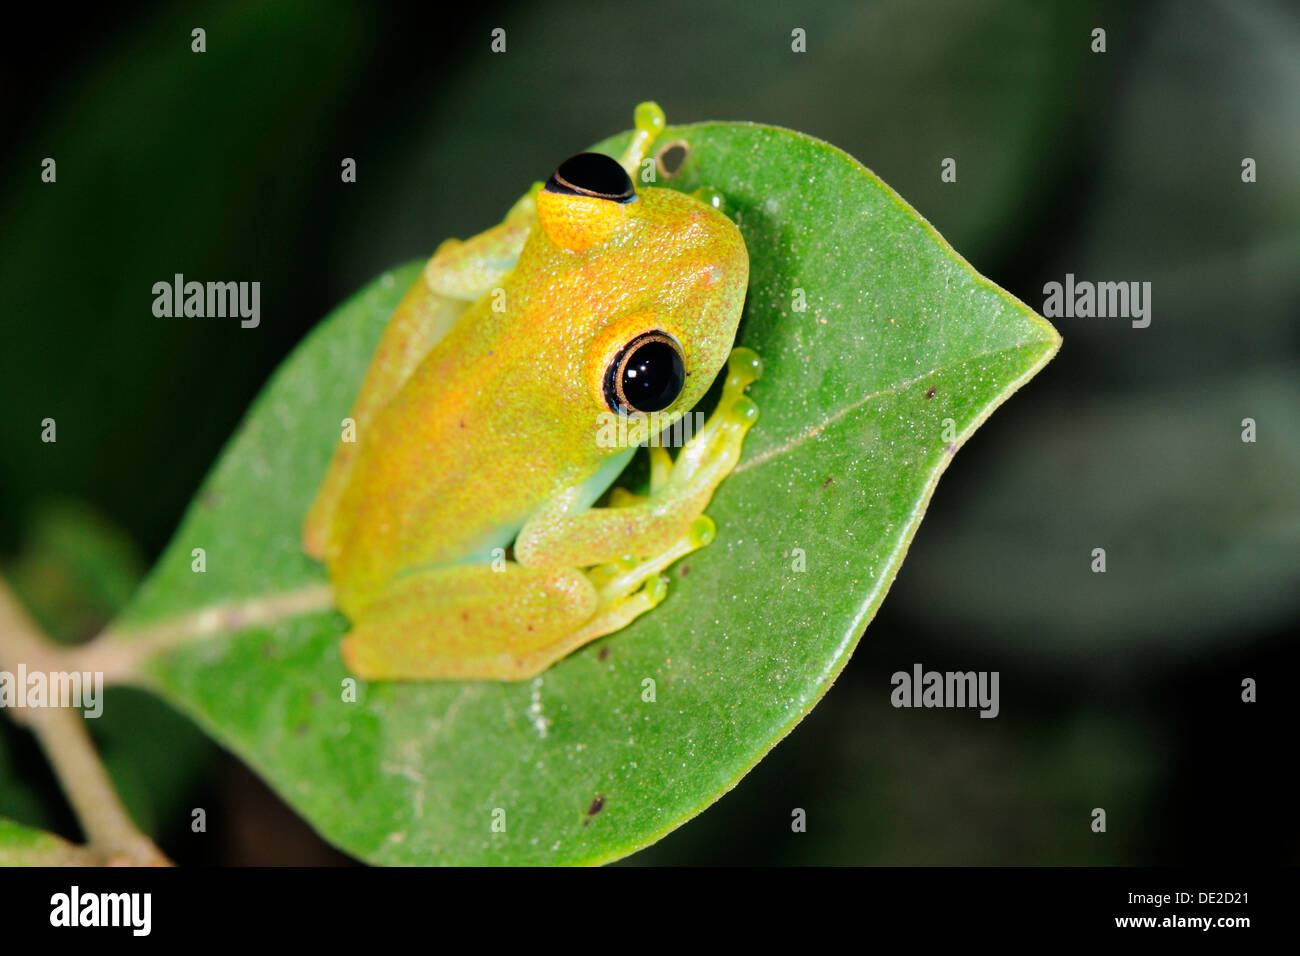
[620,580]
[604,575]
[715,449]
[656,589]
[736,412]
[743,412]
[744,367]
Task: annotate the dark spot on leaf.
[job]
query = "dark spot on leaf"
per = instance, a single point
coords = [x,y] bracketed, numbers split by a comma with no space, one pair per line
[686,569]
[929,393]
[827,482]
[464,615]
[596,806]
[462,421]
[316,698]
[604,653]
[212,500]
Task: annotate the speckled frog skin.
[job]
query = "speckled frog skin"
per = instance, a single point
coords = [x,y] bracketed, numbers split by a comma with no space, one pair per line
[479,425]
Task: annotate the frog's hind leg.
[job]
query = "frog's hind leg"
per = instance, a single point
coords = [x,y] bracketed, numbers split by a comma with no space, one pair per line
[565,534]
[457,274]
[625,590]
[468,622]
[467,269]
[418,323]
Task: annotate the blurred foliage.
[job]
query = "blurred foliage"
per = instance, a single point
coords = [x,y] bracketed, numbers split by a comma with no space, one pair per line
[1202,545]
[168,162]
[1123,165]
[76,569]
[23,846]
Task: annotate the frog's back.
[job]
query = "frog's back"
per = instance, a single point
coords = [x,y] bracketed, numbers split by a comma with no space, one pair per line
[457,461]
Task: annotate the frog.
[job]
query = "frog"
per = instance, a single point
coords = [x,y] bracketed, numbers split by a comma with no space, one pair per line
[471,529]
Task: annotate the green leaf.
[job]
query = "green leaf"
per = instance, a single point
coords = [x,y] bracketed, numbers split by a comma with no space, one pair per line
[898,334]
[24,846]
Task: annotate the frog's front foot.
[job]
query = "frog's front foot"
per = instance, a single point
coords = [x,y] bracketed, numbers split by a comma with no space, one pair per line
[715,450]
[702,463]
[624,548]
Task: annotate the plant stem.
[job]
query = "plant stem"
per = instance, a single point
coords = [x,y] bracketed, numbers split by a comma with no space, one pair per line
[119,652]
[110,833]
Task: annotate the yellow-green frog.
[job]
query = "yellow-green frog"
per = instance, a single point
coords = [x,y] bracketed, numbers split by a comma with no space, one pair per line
[480,421]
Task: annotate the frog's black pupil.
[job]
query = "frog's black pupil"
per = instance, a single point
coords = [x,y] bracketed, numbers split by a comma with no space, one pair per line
[651,376]
[592,174]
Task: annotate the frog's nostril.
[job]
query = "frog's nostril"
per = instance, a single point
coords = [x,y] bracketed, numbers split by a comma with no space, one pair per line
[671,157]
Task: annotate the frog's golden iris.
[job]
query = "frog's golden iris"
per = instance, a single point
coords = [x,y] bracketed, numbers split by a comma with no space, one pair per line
[646,376]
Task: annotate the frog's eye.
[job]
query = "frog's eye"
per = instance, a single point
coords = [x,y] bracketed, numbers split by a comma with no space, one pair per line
[594,175]
[584,201]
[646,375]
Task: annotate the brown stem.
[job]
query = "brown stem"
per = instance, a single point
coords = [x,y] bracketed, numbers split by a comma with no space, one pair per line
[119,653]
[110,833]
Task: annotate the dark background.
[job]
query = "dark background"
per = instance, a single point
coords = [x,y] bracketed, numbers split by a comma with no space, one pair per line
[1119,691]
